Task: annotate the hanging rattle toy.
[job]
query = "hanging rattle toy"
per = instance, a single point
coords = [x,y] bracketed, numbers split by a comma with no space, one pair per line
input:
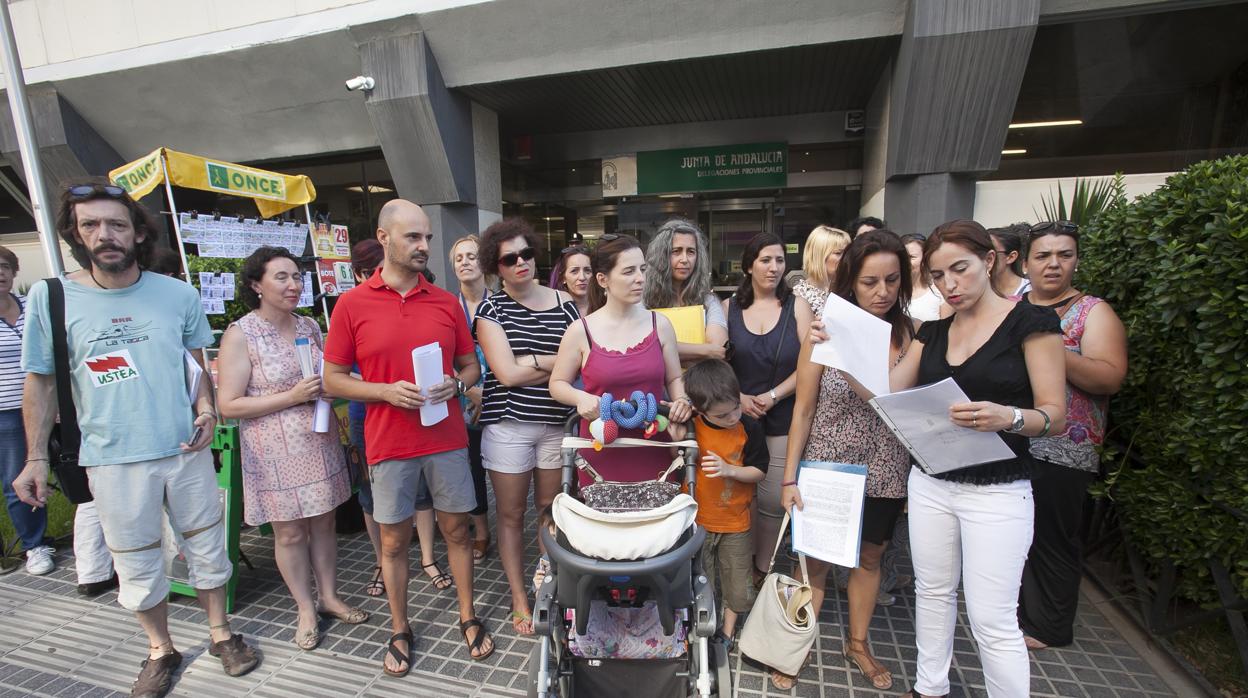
[640,410]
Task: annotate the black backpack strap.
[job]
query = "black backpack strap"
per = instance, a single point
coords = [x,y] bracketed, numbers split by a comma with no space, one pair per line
[70,436]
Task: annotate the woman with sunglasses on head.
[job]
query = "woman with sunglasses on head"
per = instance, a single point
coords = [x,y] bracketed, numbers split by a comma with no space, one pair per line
[832,422]
[572,275]
[765,334]
[1067,461]
[618,348]
[678,274]
[974,524]
[519,329]
[473,290]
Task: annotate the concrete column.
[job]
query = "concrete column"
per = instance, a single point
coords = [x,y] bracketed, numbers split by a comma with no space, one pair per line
[950,97]
[68,146]
[442,149]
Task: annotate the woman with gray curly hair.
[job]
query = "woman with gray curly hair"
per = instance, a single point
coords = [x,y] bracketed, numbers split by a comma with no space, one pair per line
[678,274]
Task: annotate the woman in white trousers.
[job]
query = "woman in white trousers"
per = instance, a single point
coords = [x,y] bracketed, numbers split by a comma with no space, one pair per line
[974,524]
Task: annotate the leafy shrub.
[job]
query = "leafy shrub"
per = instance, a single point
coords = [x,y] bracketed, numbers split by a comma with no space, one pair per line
[233,309]
[1174,265]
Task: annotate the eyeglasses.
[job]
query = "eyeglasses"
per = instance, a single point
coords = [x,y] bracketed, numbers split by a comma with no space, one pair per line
[574,249]
[1063,226]
[513,258]
[82,190]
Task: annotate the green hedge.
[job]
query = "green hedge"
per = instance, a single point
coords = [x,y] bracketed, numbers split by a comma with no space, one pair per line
[1174,265]
[233,309]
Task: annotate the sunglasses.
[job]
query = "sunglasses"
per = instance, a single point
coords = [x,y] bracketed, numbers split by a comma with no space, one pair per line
[574,249]
[87,189]
[513,258]
[1064,226]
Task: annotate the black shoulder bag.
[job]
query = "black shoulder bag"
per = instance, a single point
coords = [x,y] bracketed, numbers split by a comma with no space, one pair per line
[65,439]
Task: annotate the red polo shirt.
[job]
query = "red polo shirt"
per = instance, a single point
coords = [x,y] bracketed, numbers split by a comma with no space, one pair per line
[375,328]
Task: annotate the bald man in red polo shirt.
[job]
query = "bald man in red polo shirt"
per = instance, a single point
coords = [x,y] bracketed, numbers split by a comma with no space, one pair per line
[375,326]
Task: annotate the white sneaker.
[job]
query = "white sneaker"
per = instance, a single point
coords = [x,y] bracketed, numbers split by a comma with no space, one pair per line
[39,561]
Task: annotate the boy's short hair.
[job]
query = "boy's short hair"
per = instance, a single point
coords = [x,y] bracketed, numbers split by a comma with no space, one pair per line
[711,382]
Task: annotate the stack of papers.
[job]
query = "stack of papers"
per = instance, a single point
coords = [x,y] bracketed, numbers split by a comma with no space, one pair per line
[427,368]
[919,419]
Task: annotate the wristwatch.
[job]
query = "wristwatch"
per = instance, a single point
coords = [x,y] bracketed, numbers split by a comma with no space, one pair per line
[460,388]
[1016,425]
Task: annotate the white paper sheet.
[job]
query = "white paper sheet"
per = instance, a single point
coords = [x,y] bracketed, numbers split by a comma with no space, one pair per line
[194,372]
[920,419]
[857,344]
[427,368]
[829,525]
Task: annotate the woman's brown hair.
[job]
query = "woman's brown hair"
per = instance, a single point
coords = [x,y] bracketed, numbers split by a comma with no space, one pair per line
[965,233]
[869,243]
[605,256]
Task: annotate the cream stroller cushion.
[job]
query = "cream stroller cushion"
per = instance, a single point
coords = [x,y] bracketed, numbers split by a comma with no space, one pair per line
[625,535]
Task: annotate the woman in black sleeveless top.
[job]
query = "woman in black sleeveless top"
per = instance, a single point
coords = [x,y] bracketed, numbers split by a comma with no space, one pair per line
[764,335]
[976,523]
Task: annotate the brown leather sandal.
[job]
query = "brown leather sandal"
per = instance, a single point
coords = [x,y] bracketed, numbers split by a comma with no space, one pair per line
[877,674]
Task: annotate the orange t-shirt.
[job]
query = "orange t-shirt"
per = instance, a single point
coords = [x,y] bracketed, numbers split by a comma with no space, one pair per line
[723,504]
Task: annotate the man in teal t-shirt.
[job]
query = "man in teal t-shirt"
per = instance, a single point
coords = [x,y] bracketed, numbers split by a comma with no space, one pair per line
[127,333]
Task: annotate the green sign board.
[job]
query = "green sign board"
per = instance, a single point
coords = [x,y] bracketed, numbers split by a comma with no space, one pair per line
[747,166]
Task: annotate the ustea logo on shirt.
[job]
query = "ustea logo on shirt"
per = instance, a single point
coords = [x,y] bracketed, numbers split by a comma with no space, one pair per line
[111,368]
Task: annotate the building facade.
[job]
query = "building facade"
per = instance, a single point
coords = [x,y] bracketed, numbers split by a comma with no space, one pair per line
[589,116]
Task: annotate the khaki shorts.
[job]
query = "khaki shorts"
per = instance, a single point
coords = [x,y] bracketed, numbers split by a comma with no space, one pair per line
[130,497]
[512,446]
[397,485]
[729,560]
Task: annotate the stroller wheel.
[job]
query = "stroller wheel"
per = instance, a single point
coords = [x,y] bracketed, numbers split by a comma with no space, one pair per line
[555,684]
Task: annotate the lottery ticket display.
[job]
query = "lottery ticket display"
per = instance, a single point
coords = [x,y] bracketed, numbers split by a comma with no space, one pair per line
[232,239]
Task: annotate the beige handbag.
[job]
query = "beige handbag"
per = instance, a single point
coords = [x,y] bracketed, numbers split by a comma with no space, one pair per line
[783,623]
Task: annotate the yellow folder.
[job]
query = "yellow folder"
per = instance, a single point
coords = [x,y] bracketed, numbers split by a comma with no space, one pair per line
[689,322]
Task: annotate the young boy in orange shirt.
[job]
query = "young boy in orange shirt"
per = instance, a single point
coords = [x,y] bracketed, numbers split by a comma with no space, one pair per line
[734,456]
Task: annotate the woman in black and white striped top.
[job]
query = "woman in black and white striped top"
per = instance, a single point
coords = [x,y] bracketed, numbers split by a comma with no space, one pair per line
[29,522]
[519,330]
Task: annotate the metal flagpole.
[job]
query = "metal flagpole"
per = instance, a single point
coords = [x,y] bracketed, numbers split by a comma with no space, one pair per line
[307,211]
[177,223]
[15,82]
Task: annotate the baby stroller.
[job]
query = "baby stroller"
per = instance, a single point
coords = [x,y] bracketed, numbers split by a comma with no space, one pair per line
[669,588]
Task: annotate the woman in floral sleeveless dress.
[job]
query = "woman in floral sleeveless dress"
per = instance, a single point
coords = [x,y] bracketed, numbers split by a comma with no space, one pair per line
[293,477]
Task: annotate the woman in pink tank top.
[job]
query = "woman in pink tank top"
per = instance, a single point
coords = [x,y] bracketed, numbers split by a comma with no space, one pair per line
[619,348]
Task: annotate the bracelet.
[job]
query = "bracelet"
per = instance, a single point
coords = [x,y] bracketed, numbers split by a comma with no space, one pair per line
[682,398]
[210,414]
[535,364]
[38,460]
[789,483]
[1048,423]
[774,399]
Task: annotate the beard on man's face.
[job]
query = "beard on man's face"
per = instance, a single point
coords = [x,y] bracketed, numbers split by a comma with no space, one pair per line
[128,257]
[413,261]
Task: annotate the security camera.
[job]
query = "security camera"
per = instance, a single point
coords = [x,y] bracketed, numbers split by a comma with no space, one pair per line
[361,82]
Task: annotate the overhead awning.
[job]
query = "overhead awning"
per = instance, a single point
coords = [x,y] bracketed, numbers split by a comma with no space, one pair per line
[273,192]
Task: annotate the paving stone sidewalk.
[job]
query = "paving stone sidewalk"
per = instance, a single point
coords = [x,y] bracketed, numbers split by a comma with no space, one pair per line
[55,643]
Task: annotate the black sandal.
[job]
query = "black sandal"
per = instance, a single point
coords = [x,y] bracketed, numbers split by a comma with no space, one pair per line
[475,644]
[404,659]
[376,587]
[441,580]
